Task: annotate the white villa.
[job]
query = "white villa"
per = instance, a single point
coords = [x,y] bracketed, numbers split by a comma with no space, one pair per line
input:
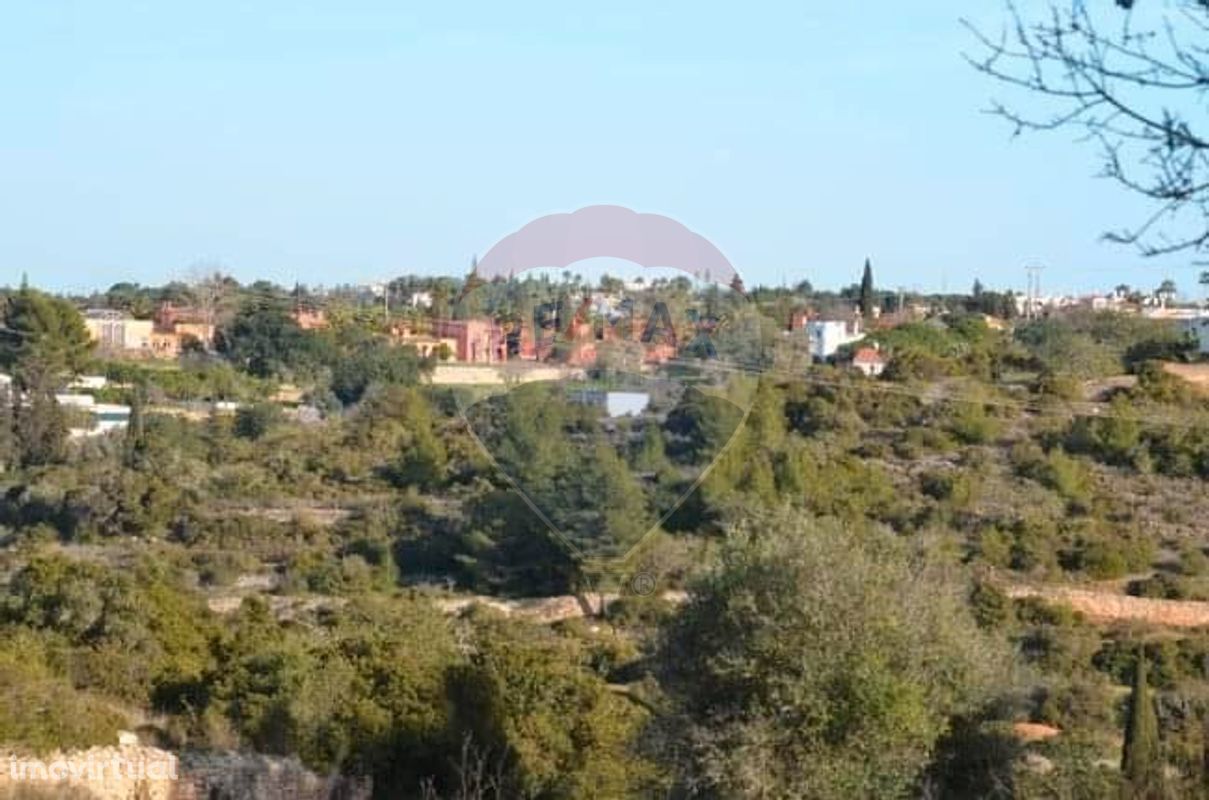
[826,336]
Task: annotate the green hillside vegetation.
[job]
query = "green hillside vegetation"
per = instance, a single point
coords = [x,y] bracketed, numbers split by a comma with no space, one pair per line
[848,548]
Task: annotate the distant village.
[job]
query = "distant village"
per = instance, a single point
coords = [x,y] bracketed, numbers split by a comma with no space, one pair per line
[483,348]
[828,334]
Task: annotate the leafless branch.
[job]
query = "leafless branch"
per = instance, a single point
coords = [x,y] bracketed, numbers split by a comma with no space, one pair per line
[1136,90]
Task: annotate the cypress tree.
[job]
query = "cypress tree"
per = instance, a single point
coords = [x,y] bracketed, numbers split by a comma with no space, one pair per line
[136,435]
[867,291]
[1141,763]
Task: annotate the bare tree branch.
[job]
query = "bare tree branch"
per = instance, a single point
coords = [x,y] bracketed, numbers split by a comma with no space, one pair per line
[1136,90]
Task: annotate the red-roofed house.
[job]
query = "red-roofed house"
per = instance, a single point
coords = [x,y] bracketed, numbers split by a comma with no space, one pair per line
[869,361]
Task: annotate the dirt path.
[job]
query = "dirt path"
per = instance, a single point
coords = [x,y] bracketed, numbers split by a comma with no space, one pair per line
[1196,374]
[1108,607]
[544,609]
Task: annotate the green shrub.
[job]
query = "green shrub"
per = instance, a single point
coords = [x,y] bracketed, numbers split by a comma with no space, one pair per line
[1161,585]
[1193,561]
[42,711]
[1034,545]
[992,608]
[255,421]
[995,547]
[971,424]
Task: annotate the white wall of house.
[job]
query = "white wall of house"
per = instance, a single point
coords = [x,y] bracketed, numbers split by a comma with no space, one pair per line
[1199,328]
[870,369]
[826,336]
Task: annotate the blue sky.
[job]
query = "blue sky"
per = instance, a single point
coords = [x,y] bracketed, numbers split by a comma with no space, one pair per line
[329,142]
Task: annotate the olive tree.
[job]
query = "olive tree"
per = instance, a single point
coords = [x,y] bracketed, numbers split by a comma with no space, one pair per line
[818,661]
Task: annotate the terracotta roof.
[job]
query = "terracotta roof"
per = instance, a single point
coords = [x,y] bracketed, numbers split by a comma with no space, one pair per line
[868,355]
[1034,731]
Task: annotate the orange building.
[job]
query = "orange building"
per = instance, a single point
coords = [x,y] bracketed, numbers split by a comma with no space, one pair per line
[185,323]
[310,319]
[478,341]
[165,344]
[473,341]
[580,344]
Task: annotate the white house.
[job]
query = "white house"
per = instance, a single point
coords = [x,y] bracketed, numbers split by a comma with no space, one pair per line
[615,404]
[1199,328]
[869,361]
[90,383]
[826,336]
[1104,302]
[106,417]
[85,401]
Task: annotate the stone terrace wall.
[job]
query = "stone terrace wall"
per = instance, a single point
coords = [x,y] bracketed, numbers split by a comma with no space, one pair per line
[236,776]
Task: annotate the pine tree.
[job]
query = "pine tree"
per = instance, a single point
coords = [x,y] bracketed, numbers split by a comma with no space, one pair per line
[45,333]
[867,291]
[1141,763]
[40,428]
[8,441]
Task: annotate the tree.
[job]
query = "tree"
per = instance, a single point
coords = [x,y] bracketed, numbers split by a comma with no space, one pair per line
[700,425]
[1141,762]
[1166,291]
[43,329]
[557,453]
[136,428]
[1131,79]
[8,441]
[254,421]
[41,709]
[611,285]
[866,295]
[818,661]
[211,292]
[44,337]
[528,696]
[1204,281]
[39,422]
[374,361]
[424,458]
[265,340]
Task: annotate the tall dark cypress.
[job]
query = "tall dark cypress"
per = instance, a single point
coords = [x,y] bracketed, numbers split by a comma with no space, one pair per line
[136,434]
[1141,761]
[867,291]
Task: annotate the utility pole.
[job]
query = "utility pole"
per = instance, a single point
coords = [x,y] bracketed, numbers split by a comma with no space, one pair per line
[1034,289]
[1028,294]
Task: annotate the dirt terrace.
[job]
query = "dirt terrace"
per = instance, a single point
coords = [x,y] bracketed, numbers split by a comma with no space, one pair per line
[1108,607]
